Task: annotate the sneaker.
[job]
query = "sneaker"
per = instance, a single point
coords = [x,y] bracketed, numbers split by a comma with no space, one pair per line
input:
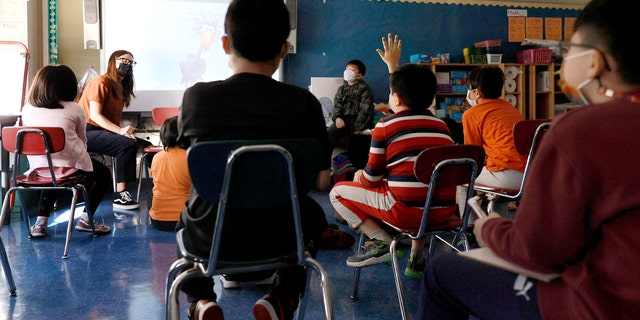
[83,225]
[39,231]
[415,267]
[229,284]
[124,201]
[375,252]
[270,307]
[205,310]
[400,254]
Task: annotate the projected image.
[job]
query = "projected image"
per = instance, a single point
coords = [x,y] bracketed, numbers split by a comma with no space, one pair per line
[175,42]
[177,46]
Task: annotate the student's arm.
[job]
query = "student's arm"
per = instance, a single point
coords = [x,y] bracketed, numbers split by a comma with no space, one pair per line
[391,54]
[95,113]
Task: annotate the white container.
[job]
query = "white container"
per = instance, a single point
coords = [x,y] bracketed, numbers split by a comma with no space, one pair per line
[494,58]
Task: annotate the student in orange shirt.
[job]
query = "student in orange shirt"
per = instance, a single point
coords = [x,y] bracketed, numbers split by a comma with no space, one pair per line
[489,123]
[171,181]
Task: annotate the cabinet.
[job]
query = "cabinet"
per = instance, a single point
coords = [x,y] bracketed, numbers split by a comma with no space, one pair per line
[544,98]
[450,99]
[515,90]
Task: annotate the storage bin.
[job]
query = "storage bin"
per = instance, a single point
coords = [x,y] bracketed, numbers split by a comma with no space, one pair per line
[534,56]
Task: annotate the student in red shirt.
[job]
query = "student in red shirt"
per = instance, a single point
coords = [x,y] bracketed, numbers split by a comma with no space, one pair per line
[581,213]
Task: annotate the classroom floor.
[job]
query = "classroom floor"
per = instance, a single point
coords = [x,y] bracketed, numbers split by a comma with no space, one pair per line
[122,275]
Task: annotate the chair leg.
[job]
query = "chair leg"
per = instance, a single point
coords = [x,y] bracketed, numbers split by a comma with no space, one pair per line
[176,268]
[174,303]
[142,165]
[23,211]
[356,271]
[90,211]
[326,290]
[113,174]
[4,260]
[72,214]
[398,280]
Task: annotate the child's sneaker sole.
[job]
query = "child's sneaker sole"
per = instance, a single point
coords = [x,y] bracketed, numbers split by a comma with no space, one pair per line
[207,310]
[410,273]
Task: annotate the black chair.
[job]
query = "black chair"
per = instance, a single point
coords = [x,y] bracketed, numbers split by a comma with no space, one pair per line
[242,175]
[440,168]
[42,141]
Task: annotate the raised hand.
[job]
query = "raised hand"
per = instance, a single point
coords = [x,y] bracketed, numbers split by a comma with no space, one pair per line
[391,55]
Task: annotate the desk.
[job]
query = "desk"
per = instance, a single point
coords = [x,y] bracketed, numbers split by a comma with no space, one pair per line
[5,168]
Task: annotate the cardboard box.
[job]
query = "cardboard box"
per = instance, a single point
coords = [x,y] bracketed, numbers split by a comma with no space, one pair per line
[442,77]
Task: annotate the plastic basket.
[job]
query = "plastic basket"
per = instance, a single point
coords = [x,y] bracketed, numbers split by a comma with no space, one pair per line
[533,56]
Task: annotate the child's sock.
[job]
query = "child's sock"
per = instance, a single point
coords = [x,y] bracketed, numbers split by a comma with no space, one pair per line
[380,234]
[417,254]
[42,220]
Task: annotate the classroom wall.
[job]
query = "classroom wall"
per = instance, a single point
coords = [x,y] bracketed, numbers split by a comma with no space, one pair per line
[332,32]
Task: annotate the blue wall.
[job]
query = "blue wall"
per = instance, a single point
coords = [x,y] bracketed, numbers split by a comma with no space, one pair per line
[332,33]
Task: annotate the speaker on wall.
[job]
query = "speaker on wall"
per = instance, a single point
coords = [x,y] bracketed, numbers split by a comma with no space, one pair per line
[91,24]
[292,5]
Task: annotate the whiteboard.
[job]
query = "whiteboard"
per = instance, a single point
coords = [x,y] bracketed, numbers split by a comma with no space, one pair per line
[14,58]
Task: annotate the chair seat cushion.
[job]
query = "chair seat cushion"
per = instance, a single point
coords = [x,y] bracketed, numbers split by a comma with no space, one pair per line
[152,149]
[42,176]
[493,189]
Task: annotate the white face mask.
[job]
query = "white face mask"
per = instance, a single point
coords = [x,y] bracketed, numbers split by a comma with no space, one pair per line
[471,102]
[349,75]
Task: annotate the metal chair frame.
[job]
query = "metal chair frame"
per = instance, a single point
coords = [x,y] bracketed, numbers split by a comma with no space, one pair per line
[527,135]
[241,178]
[438,167]
[39,141]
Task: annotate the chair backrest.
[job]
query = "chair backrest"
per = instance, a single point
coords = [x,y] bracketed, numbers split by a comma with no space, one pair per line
[447,167]
[527,133]
[33,140]
[159,114]
[256,185]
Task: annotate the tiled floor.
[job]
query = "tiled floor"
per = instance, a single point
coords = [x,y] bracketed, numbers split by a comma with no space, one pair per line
[122,275]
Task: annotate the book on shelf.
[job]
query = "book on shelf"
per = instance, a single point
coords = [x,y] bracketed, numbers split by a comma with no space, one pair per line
[487,256]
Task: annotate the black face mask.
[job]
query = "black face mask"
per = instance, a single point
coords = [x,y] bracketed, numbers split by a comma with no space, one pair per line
[125,70]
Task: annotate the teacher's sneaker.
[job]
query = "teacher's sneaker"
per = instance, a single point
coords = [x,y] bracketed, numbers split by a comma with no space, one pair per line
[124,201]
